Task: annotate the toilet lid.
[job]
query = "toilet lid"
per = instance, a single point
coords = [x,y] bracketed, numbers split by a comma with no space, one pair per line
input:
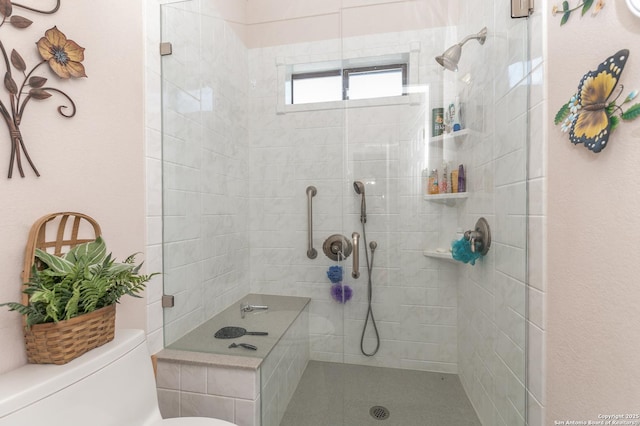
[192,421]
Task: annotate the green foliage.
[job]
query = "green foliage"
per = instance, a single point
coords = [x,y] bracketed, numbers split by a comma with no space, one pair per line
[614,120]
[81,281]
[562,113]
[586,5]
[566,14]
[632,113]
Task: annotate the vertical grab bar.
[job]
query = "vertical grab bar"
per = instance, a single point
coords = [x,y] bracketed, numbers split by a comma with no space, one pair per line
[356,255]
[311,252]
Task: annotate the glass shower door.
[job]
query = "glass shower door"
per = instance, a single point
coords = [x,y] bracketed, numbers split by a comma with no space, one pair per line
[237,160]
[205,151]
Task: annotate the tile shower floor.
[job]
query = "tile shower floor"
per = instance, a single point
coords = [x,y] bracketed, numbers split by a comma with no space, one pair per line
[331,394]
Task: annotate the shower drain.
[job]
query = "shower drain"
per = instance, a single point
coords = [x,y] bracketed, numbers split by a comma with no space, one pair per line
[378,412]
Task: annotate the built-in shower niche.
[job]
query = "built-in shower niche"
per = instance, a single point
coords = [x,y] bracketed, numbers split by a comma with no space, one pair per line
[453,149]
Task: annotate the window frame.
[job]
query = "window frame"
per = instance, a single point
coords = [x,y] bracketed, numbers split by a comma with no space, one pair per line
[362,70]
[346,72]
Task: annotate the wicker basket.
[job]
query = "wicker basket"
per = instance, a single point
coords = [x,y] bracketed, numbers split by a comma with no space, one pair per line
[61,342]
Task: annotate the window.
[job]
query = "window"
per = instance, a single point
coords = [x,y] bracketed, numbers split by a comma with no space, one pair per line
[374,82]
[316,87]
[349,83]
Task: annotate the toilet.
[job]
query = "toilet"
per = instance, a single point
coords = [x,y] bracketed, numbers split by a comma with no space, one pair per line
[112,385]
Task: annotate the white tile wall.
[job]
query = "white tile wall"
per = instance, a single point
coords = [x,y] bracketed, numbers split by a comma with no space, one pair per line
[383,145]
[495,323]
[199,390]
[283,368]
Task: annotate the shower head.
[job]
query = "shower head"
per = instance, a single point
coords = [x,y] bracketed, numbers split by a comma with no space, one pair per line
[359,188]
[449,59]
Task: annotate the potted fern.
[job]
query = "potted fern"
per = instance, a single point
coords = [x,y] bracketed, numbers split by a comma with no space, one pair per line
[75,292]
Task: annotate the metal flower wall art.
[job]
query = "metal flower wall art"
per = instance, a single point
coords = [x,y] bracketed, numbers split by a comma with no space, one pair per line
[64,58]
[583,6]
[590,115]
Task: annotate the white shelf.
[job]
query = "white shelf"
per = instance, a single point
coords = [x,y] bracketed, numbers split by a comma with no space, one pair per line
[447,198]
[438,255]
[456,136]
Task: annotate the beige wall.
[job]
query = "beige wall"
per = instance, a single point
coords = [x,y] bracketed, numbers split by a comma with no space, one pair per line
[275,22]
[91,163]
[593,228]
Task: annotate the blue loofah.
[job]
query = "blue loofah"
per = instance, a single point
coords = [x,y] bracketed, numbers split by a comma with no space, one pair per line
[335,274]
[461,251]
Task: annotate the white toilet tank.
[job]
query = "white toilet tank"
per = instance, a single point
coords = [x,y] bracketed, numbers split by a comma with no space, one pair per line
[112,385]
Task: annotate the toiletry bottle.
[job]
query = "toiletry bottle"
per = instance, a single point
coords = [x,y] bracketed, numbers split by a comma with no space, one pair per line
[433,182]
[425,181]
[462,181]
[456,125]
[454,180]
[443,180]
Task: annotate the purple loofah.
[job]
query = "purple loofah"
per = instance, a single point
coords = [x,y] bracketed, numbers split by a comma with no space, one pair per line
[341,293]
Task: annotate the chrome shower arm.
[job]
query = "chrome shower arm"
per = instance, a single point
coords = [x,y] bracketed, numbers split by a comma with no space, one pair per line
[481,37]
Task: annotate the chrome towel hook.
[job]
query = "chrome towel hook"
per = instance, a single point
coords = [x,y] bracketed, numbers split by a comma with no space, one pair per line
[480,238]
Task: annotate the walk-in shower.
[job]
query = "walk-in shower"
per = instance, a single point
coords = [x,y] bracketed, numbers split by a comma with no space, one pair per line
[244,163]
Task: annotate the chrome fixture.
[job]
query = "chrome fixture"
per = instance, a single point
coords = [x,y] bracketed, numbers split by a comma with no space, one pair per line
[168,301]
[480,238]
[449,59]
[522,8]
[359,188]
[355,273]
[245,307]
[311,252]
[337,247]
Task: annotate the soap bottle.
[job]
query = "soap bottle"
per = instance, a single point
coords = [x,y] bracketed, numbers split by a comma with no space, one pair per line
[433,182]
[462,181]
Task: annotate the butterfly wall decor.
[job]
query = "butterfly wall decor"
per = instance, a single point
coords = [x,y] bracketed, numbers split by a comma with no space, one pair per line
[590,116]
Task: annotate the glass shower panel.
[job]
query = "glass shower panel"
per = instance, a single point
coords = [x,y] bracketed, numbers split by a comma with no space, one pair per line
[205,153]
[434,314]
[180,26]
[238,159]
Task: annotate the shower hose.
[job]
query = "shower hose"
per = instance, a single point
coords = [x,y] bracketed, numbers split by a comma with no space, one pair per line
[369,295]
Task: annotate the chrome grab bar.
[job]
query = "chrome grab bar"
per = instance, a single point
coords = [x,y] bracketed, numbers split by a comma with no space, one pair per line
[311,252]
[356,255]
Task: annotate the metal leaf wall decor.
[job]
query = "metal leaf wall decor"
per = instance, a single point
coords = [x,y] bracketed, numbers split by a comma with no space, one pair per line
[64,58]
[583,6]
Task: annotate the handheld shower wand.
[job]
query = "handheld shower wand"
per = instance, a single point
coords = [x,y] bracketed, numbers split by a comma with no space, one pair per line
[359,188]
